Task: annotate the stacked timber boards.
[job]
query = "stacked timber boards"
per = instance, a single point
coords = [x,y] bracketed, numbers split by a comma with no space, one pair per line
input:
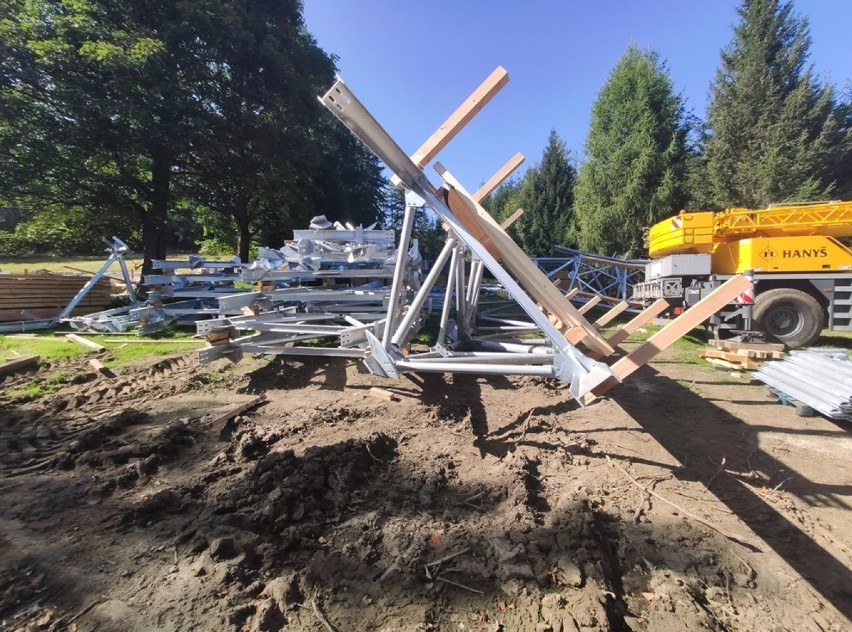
[46,295]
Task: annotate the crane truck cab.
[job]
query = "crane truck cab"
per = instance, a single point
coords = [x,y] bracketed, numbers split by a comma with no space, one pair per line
[802,270]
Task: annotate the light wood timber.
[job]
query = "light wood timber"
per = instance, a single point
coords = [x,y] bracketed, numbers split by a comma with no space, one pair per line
[458,119]
[585,307]
[534,281]
[642,318]
[497,179]
[731,345]
[613,312]
[672,332]
[468,217]
[17,364]
[91,344]
[511,219]
[384,394]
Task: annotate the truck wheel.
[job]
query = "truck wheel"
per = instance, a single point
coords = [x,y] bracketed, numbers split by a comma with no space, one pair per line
[789,316]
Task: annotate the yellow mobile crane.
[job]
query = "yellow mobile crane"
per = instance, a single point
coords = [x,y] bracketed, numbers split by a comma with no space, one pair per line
[802,270]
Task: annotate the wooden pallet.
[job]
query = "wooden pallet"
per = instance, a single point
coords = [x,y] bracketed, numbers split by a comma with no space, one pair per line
[740,361]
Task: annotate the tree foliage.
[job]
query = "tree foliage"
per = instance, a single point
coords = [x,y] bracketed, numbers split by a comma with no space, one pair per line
[547,197]
[636,150]
[777,133]
[427,228]
[149,106]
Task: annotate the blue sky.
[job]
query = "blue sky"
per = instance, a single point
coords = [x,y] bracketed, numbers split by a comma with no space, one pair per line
[413,62]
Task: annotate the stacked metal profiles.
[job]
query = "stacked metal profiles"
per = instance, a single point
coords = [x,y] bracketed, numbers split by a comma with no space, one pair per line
[340,312]
[819,379]
[185,292]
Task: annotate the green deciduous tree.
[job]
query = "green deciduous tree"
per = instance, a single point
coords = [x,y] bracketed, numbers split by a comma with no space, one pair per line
[634,171]
[776,132]
[145,106]
[546,196]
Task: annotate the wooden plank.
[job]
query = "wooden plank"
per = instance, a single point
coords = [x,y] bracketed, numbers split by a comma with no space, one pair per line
[640,320]
[511,219]
[469,219]
[461,117]
[730,345]
[101,368]
[241,408]
[384,394]
[613,312]
[497,179]
[530,277]
[19,364]
[669,334]
[585,307]
[91,344]
[747,365]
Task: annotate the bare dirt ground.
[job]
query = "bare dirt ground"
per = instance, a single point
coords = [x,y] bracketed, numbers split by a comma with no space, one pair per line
[471,504]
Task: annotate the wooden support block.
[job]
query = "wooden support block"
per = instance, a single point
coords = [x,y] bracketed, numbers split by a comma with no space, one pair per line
[19,364]
[585,307]
[642,318]
[241,408]
[383,394]
[218,336]
[91,344]
[607,318]
[746,365]
[529,276]
[471,222]
[680,326]
[497,179]
[512,219]
[101,368]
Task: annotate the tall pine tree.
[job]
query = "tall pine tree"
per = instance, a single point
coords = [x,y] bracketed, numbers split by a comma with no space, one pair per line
[634,173]
[547,199]
[776,133]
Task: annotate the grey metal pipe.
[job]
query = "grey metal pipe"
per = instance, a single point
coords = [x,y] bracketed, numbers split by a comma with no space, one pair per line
[399,272]
[422,295]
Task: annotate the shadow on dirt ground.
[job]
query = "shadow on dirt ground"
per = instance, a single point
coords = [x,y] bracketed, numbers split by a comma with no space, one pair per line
[470,504]
[724,453]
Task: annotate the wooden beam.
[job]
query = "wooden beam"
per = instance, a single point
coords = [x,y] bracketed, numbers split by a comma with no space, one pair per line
[672,332]
[237,410]
[468,217]
[585,307]
[461,117]
[91,344]
[642,318]
[19,364]
[533,280]
[614,311]
[511,219]
[497,179]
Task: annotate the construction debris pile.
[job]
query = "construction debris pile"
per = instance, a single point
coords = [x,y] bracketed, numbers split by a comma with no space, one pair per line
[361,292]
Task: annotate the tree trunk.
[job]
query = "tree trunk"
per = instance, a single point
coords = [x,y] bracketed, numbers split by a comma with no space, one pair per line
[242,218]
[156,217]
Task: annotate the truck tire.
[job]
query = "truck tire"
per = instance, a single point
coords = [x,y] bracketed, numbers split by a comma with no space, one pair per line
[789,316]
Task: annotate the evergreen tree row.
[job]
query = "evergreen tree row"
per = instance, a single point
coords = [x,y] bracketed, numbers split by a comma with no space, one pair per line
[774,133]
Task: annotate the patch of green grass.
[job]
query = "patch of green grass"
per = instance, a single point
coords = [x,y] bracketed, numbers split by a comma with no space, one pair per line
[52,348]
[64,265]
[29,391]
